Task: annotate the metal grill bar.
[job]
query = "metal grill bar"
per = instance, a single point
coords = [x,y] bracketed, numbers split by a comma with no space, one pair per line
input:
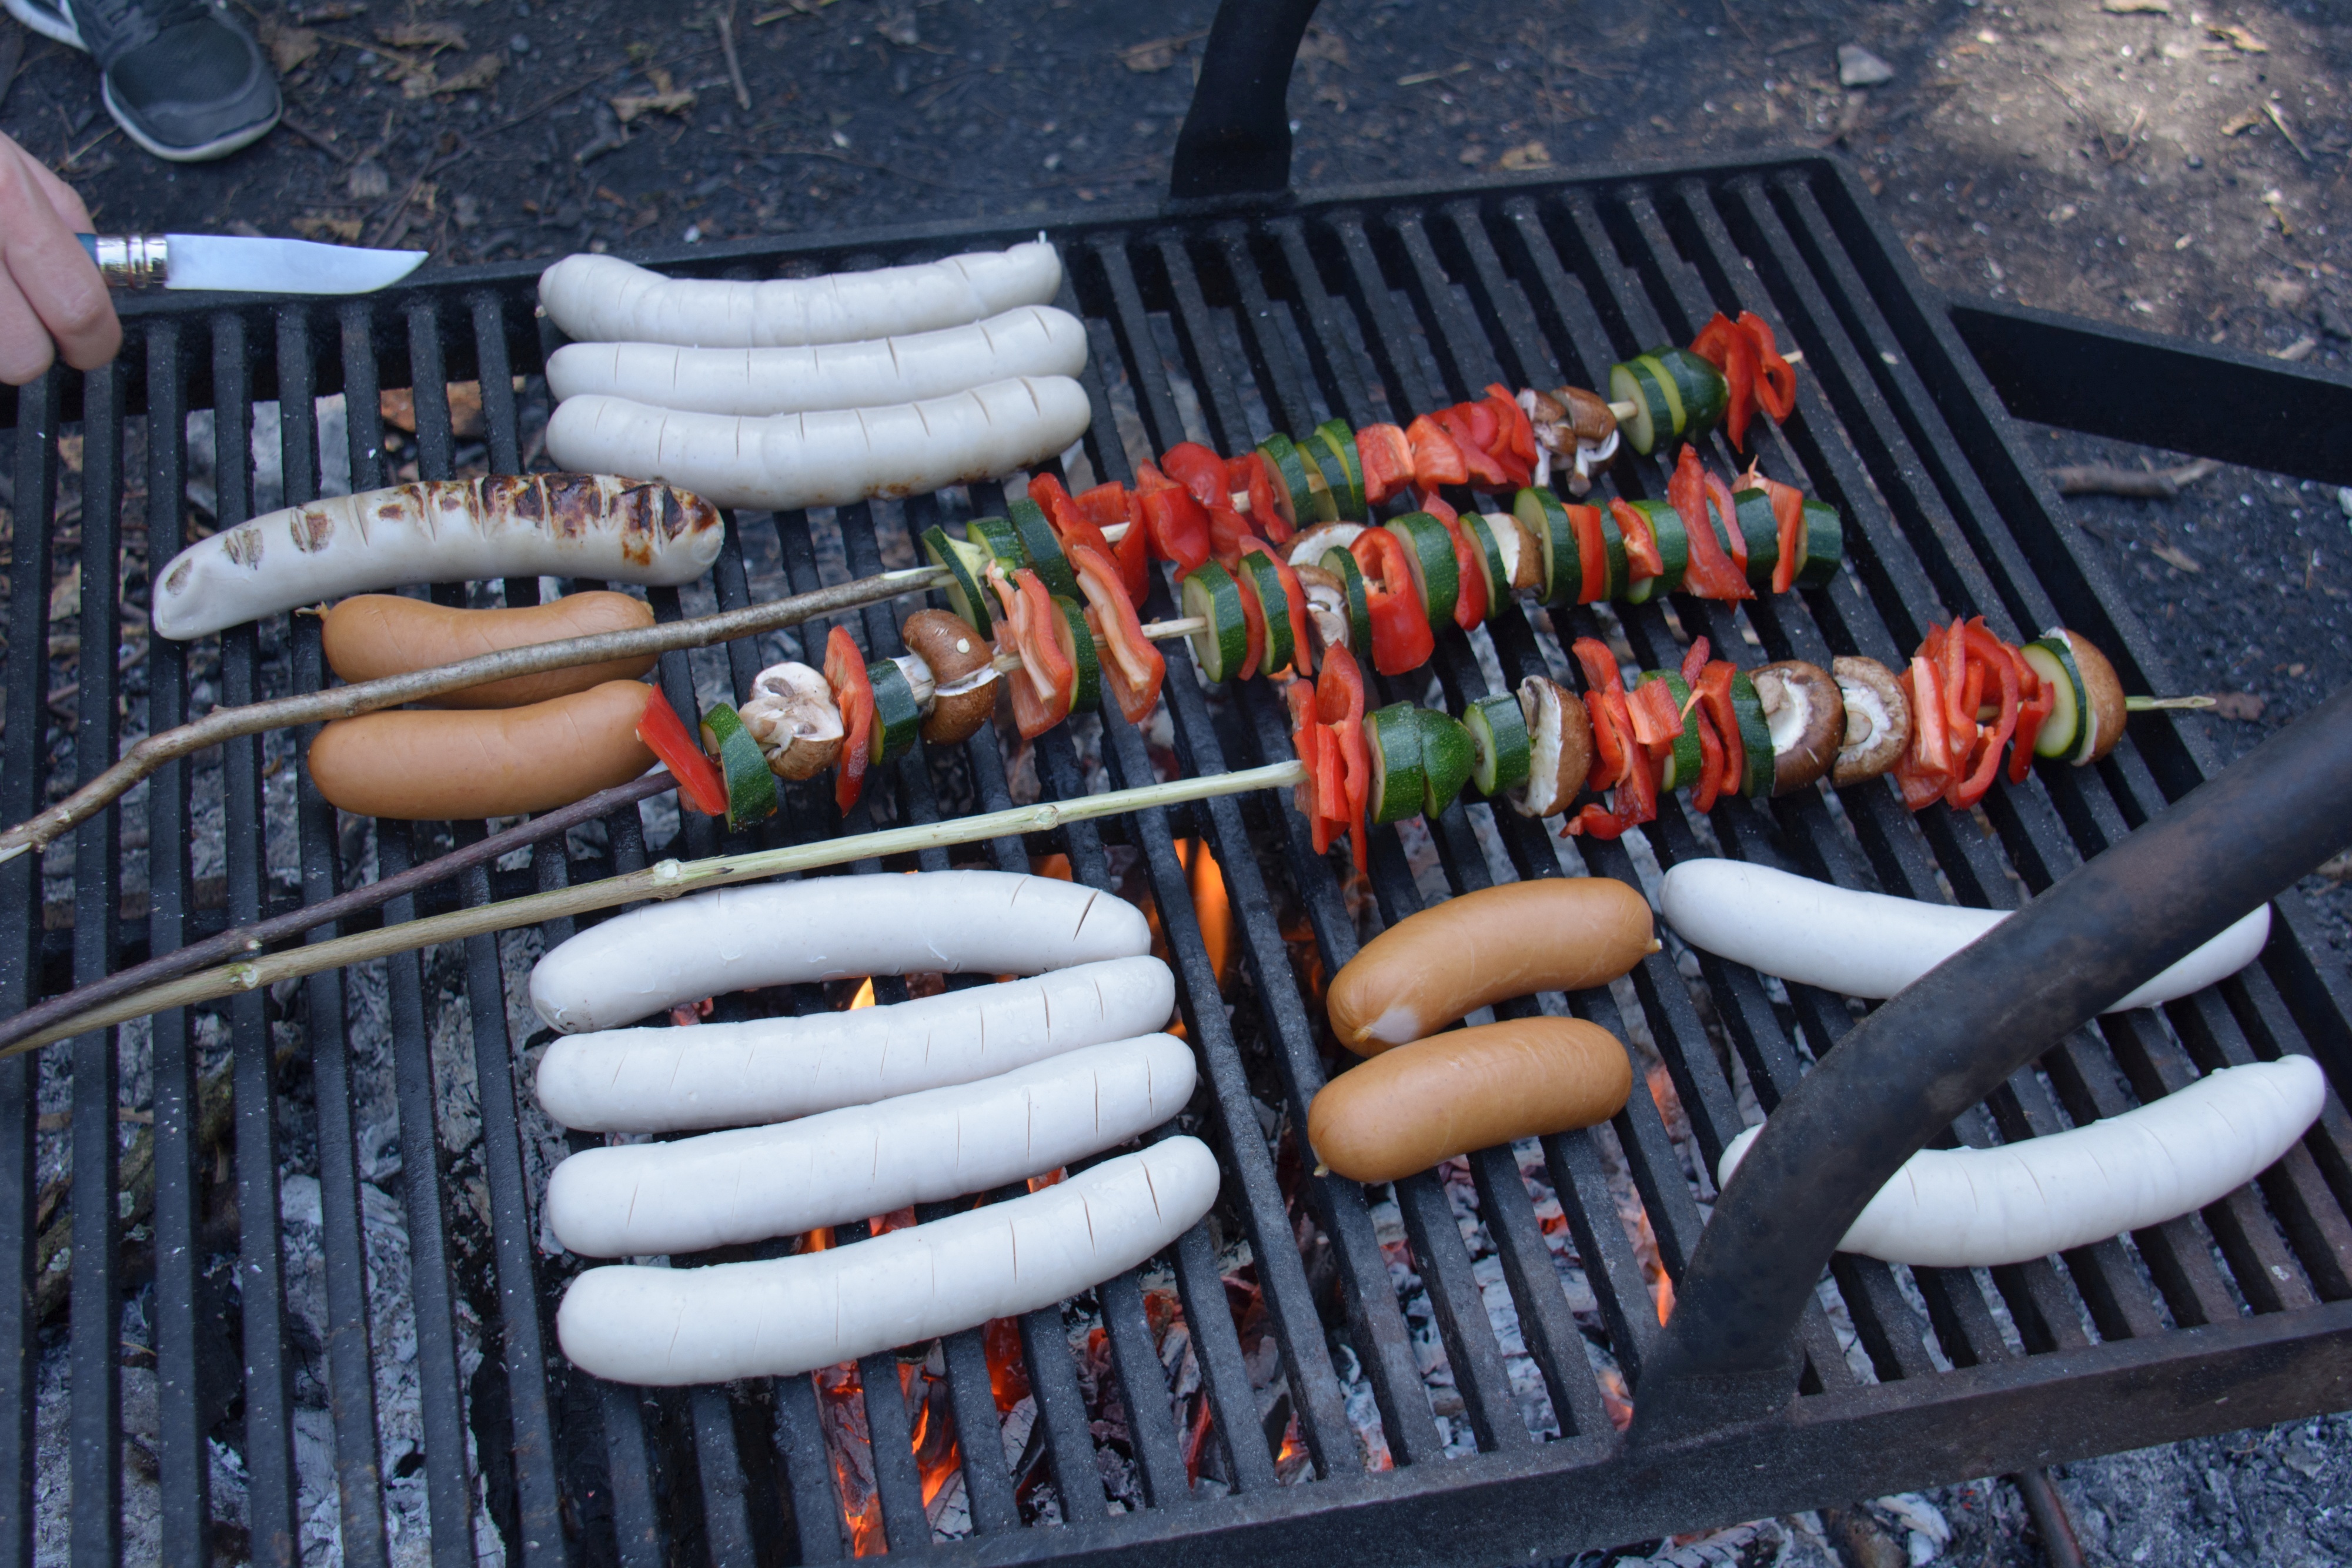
[1376,308]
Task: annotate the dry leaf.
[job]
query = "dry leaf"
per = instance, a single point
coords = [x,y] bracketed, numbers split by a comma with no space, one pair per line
[368,181]
[70,453]
[675,102]
[319,226]
[288,47]
[2243,123]
[476,77]
[2243,706]
[399,409]
[2241,40]
[65,597]
[1323,44]
[419,81]
[2335,868]
[2172,555]
[1154,54]
[1527,155]
[424,35]
[329,11]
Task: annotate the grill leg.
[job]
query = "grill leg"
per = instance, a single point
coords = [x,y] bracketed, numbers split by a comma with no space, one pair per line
[1236,135]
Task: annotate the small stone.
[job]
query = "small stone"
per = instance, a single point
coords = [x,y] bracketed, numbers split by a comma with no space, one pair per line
[1857,67]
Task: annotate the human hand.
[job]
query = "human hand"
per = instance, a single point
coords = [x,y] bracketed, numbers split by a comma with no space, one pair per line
[49,288]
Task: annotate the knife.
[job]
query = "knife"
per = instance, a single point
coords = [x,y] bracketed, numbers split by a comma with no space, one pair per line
[246,266]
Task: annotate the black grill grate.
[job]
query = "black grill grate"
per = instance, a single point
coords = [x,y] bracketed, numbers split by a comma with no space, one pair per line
[1217,330]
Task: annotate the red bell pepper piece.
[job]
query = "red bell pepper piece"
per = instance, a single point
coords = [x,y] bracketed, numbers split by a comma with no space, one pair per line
[700,784]
[1724,345]
[1657,723]
[1306,743]
[1643,560]
[1776,378]
[1253,617]
[1247,476]
[1340,703]
[1633,795]
[1043,685]
[1591,554]
[1693,661]
[2032,711]
[1071,524]
[1302,659]
[1470,594]
[1178,522]
[1719,495]
[1515,451]
[1462,422]
[1227,531]
[1135,667]
[853,694]
[1402,640]
[1788,524]
[1199,470]
[1436,460]
[1995,661]
[1387,458]
[1712,691]
[1710,574]
[1710,764]
[1599,664]
[1107,505]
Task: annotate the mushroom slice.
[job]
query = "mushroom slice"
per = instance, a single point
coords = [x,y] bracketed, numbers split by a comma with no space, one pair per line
[1878,719]
[1309,547]
[1806,713]
[962,671]
[1327,606]
[793,717]
[1560,748]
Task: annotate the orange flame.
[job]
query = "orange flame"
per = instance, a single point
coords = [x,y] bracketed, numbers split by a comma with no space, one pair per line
[1210,904]
[865,997]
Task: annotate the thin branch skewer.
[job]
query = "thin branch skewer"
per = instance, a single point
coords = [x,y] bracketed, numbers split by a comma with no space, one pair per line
[345,702]
[666,878]
[243,940]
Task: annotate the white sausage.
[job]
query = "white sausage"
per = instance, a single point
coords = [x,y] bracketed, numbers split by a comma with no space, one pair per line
[1872,945]
[1032,341]
[760,1182]
[771,1069]
[828,928]
[1962,1208]
[601,299]
[832,457]
[791,1315]
[547,525]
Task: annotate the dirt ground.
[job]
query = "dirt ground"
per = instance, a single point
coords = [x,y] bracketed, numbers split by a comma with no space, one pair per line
[2174,165]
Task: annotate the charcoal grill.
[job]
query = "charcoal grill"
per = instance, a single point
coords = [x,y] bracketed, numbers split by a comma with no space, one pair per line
[1232,310]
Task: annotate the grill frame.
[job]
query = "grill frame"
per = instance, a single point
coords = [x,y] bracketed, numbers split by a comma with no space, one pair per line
[1897,423]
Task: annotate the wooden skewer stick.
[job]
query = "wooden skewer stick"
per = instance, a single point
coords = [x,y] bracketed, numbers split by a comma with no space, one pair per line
[345,702]
[2150,705]
[243,940]
[666,878]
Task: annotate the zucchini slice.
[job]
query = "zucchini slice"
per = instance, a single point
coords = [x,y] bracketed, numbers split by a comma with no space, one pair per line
[1221,645]
[1287,469]
[1260,577]
[966,563]
[1342,564]
[897,717]
[1612,552]
[1430,549]
[1501,751]
[1338,437]
[1487,543]
[1077,643]
[1327,468]
[1698,388]
[1043,550]
[1823,540]
[1685,759]
[1755,738]
[1448,757]
[1674,552]
[2067,731]
[998,543]
[751,788]
[1392,735]
[1540,513]
[1761,531]
[1636,382]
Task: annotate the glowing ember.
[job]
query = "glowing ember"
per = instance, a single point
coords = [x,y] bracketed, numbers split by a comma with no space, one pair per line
[1008,1377]
[841,1402]
[865,997]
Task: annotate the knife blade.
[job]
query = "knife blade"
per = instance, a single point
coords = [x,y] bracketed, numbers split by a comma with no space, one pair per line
[243,265]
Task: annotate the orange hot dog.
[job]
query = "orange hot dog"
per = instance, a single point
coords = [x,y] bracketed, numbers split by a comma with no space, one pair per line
[1407,1108]
[1561,933]
[373,635]
[424,765]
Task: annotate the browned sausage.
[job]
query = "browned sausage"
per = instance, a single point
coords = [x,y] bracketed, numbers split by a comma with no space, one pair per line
[373,635]
[1562,934]
[431,767]
[1467,1089]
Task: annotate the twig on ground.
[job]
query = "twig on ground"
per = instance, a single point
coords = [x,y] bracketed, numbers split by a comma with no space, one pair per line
[2144,484]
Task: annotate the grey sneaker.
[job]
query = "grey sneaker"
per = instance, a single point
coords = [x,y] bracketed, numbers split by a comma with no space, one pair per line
[183,81]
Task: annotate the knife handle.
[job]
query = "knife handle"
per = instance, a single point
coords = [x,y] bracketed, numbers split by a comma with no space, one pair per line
[129,261]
